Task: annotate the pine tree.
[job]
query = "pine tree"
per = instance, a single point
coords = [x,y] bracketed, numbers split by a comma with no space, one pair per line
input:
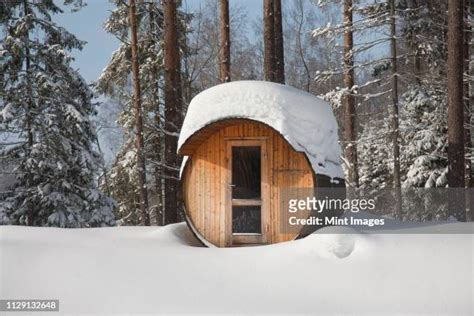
[173,108]
[371,72]
[424,132]
[423,149]
[467,107]
[269,40]
[224,42]
[456,169]
[423,108]
[154,22]
[349,102]
[374,164]
[47,108]
[279,47]
[137,106]
[420,78]
[394,112]
[115,82]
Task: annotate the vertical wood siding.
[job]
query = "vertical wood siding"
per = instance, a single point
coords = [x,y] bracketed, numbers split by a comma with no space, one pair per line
[204,186]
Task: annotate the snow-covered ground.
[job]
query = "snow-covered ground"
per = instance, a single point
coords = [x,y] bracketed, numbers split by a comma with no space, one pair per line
[132,270]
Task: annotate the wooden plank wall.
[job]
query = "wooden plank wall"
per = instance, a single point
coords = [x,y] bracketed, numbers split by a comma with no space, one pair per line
[206,175]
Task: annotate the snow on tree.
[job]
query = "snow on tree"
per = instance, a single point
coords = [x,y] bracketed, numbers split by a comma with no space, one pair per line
[374,162]
[421,44]
[424,129]
[423,152]
[47,106]
[352,36]
[115,82]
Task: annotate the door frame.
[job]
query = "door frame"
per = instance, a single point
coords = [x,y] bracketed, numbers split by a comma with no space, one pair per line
[242,239]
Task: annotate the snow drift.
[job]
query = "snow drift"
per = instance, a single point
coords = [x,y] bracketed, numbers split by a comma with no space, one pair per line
[131,270]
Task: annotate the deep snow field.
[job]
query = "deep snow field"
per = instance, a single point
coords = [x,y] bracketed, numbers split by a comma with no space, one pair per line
[131,270]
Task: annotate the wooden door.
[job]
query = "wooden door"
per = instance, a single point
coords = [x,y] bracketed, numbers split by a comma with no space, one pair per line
[247,198]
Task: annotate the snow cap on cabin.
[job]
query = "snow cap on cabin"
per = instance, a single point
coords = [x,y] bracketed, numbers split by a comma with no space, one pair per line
[305,121]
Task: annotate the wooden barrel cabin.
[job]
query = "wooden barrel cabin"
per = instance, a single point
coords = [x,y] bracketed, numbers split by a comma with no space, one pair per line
[243,143]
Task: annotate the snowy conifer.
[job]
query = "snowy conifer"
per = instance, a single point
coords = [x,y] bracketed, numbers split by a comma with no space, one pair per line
[46,109]
[115,82]
[424,129]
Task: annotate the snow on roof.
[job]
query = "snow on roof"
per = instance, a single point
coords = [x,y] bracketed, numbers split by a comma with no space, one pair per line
[305,121]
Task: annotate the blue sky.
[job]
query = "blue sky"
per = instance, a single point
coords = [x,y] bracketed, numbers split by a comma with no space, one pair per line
[87,25]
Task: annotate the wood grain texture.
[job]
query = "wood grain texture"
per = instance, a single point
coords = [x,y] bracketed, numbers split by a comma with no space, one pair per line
[205,178]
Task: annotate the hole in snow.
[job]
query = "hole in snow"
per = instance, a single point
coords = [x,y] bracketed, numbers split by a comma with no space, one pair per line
[336,242]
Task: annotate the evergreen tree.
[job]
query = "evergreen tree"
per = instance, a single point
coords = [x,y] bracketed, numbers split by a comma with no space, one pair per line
[350,136]
[424,130]
[360,21]
[115,82]
[224,49]
[46,109]
[421,71]
[173,110]
[138,116]
[279,45]
[269,40]
[374,163]
[423,152]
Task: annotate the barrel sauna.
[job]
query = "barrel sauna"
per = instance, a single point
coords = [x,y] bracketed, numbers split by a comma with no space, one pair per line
[243,149]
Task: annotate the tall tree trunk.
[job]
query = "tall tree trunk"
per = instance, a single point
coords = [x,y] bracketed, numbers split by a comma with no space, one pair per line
[224,51]
[103,167]
[349,102]
[414,6]
[395,125]
[29,128]
[269,40]
[299,46]
[157,146]
[467,111]
[137,106]
[186,61]
[173,102]
[279,49]
[456,166]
